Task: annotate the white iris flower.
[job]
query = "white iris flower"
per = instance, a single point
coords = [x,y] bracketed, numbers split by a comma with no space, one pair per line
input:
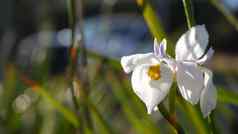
[153,73]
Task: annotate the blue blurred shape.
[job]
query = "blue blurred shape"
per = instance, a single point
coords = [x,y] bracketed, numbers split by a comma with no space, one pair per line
[112,37]
[116,36]
[232,4]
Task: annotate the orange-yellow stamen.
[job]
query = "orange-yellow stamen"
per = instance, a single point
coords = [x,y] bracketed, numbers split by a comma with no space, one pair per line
[154,72]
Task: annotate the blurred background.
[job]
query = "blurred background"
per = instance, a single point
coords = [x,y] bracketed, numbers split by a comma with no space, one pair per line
[34,43]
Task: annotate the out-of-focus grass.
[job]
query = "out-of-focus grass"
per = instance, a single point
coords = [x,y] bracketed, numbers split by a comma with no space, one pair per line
[113,106]
[227,14]
[227,96]
[69,115]
[118,105]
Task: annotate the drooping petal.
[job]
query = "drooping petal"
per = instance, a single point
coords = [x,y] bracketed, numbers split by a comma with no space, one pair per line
[160,49]
[130,62]
[208,98]
[190,81]
[151,92]
[206,57]
[192,44]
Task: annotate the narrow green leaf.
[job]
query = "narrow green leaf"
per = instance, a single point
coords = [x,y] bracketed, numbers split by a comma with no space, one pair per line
[101,122]
[171,119]
[227,96]
[69,115]
[194,115]
[188,9]
[228,15]
[154,23]
[151,19]
[172,97]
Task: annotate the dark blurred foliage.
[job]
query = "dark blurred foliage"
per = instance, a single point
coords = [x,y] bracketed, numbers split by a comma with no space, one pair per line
[25,17]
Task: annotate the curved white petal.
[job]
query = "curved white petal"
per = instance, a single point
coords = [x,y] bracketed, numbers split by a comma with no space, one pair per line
[171,63]
[192,44]
[151,92]
[206,57]
[190,81]
[130,62]
[208,98]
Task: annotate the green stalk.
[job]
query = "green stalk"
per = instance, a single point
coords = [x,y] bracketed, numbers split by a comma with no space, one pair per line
[188,9]
[171,119]
[154,24]
[194,115]
[226,13]
[72,64]
[80,78]
[172,99]
[71,18]
[107,129]
[70,116]
[227,96]
[157,31]
[151,18]
[78,81]
[212,122]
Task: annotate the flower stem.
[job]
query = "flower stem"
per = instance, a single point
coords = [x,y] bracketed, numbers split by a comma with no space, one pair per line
[78,83]
[71,20]
[154,23]
[172,97]
[194,115]
[151,18]
[212,123]
[171,119]
[72,59]
[188,9]
[172,100]
[157,30]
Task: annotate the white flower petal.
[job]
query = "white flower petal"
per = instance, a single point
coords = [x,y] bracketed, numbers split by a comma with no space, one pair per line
[192,44]
[171,63]
[156,47]
[190,81]
[206,57]
[208,98]
[130,62]
[156,109]
[160,49]
[151,92]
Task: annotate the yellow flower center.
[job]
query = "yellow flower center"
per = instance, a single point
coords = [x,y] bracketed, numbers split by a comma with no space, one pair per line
[154,72]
